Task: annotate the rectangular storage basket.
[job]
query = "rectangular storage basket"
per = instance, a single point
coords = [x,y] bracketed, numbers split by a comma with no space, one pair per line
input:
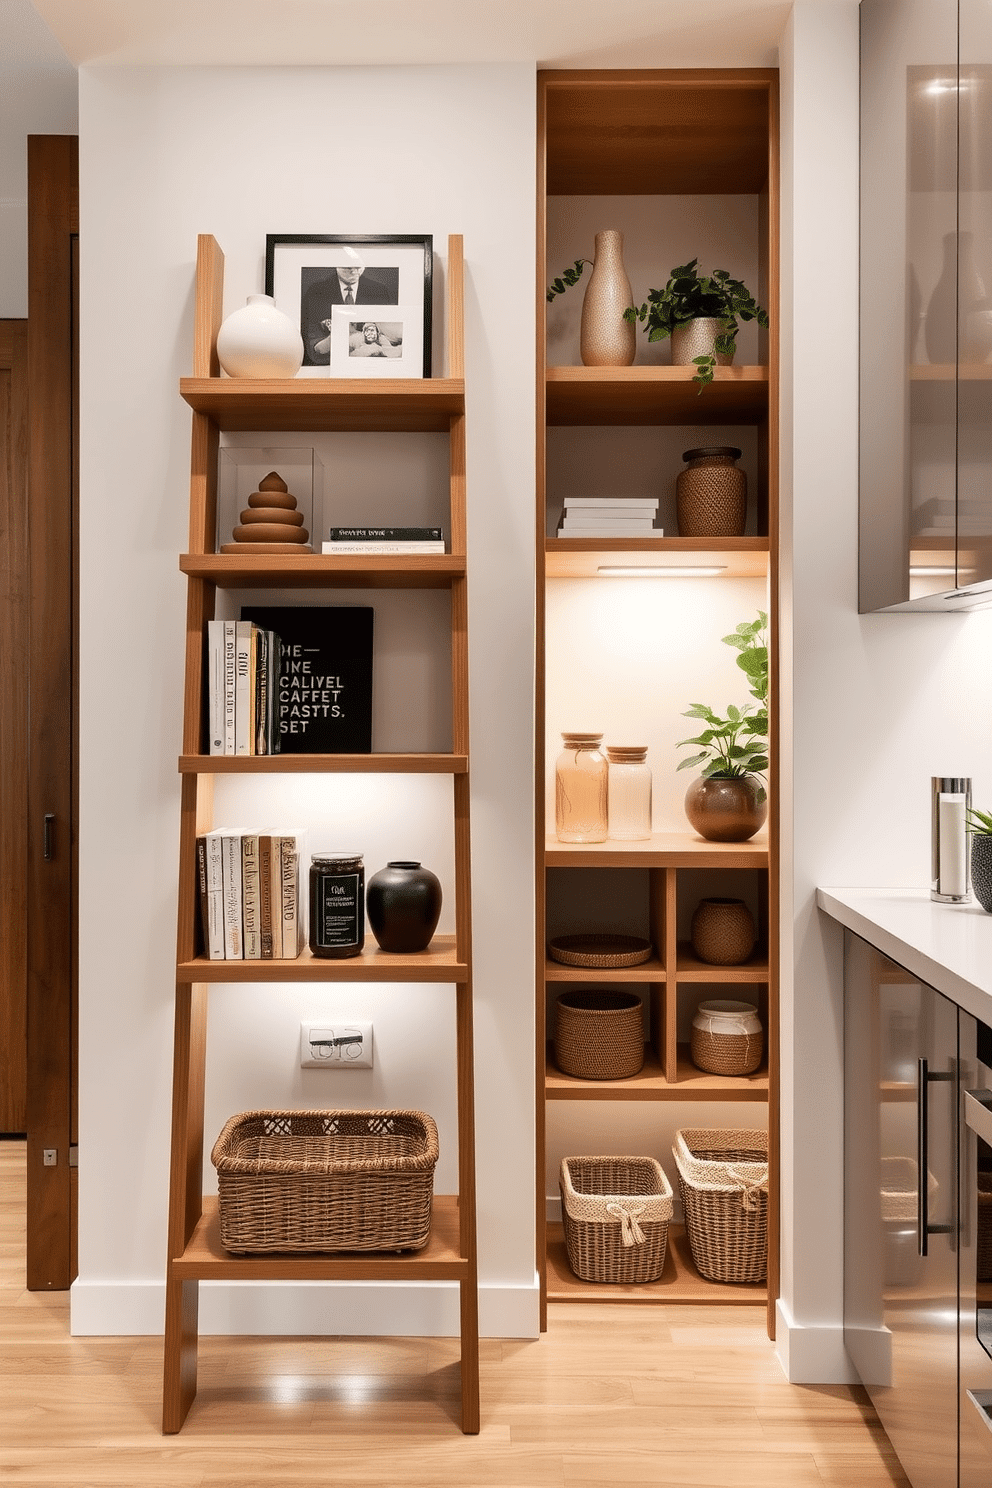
[615,1212]
[326,1180]
[723,1180]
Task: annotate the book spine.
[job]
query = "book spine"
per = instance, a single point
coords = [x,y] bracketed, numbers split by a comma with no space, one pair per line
[272,714]
[243,715]
[289,861]
[260,673]
[608,503]
[230,676]
[203,919]
[214,865]
[233,931]
[386,534]
[250,893]
[215,686]
[383,549]
[275,895]
[265,896]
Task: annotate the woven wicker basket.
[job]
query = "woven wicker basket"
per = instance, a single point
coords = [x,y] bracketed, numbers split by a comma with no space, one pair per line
[599,1035]
[615,1212]
[326,1180]
[984,1258]
[723,1180]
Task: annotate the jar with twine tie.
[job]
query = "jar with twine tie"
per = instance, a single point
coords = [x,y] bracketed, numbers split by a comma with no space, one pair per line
[711,493]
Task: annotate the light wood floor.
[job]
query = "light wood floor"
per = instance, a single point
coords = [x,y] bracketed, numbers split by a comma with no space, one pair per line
[685,1397]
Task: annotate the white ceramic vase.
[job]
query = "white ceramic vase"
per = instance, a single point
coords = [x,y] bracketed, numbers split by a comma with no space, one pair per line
[260,341]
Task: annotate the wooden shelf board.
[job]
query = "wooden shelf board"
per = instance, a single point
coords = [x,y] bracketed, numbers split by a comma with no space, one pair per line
[437,964]
[324,571]
[655,395]
[205,1259]
[649,1084]
[946,372]
[648,971]
[389,405]
[661,850]
[580,557]
[679,1282]
[691,969]
[672,133]
[323,764]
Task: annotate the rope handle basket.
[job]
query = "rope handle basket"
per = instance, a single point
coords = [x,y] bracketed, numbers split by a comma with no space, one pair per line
[588,1190]
[724,1162]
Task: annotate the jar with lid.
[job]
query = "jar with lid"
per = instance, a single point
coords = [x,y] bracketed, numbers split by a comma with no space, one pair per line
[711,493]
[581,775]
[629,793]
[337,904]
[727,1038]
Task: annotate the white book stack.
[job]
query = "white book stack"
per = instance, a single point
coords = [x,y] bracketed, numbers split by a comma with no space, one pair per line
[610,516]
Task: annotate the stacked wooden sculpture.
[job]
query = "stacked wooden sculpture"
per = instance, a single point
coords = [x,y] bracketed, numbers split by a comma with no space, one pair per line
[270,523]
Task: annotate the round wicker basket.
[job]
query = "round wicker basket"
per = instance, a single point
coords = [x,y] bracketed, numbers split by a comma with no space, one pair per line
[599,1034]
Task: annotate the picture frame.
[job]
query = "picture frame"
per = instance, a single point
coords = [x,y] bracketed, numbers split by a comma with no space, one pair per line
[308,274]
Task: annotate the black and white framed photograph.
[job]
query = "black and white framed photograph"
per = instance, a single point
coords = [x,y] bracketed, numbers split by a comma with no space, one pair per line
[331,285]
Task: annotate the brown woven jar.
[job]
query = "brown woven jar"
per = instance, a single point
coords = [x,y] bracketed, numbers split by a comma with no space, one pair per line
[727,1038]
[599,1035]
[711,493]
[722,931]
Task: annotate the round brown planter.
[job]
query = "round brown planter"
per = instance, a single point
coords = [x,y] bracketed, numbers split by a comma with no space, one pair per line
[711,493]
[726,808]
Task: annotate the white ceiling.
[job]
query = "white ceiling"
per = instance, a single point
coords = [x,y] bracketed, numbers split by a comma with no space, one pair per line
[568,33]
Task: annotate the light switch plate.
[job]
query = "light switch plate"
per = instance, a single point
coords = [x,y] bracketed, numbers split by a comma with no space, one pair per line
[343,1044]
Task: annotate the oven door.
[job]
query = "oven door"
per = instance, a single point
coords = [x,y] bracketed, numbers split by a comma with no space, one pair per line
[975,1307]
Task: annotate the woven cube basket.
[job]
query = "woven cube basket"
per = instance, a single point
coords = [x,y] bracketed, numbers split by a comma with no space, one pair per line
[599,1035]
[325,1180]
[615,1213]
[723,1181]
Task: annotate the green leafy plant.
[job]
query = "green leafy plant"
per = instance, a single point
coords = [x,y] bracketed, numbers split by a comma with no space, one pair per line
[737,744]
[689,295]
[979,823]
[567,278]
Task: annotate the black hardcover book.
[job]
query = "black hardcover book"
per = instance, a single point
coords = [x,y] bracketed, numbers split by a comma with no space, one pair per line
[385,534]
[325,676]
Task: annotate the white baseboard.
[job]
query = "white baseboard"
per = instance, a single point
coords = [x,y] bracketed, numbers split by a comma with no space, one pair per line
[425,1310]
[811,1355]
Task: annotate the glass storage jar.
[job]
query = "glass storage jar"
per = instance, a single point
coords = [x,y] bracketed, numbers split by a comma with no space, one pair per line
[337,905]
[581,775]
[629,813]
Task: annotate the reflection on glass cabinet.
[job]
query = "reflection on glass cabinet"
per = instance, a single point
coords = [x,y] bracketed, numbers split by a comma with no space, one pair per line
[926,304]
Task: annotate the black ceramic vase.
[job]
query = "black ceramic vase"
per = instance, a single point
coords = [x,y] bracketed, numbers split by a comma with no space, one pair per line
[981,869]
[403,903]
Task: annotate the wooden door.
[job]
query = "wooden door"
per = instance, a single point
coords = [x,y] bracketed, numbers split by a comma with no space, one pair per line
[13,724]
[52,752]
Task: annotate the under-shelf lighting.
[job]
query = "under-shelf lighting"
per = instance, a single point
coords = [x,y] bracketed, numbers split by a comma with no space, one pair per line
[661,570]
[932,570]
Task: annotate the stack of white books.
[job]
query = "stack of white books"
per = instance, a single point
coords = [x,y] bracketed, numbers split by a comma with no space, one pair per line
[610,516]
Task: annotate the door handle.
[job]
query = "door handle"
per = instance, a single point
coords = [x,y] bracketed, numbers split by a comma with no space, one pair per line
[48,846]
[923,1226]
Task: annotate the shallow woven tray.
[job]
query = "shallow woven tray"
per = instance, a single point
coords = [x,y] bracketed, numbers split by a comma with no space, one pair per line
[635,1187]
[326,1180]
[602,951]
[723,1181]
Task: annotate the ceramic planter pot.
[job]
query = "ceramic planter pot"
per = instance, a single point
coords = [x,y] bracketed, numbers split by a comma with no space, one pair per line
[403,903]
[726,808]
[981,869]
[697,337]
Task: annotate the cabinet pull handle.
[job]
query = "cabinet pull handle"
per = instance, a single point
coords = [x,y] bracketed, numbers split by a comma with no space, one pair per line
[923,1226]
[48,849]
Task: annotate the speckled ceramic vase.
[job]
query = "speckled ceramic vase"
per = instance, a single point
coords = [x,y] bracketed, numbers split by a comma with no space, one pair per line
[605,338]
[981,869]
[727,808]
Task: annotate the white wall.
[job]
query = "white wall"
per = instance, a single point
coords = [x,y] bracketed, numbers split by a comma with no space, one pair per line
[879,703]
[166,154]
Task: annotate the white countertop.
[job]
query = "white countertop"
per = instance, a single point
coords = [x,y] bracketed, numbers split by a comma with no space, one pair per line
[948,946]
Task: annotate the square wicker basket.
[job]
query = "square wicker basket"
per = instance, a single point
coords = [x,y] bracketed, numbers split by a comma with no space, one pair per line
[723,1180]
[615,1212]
[326,1180]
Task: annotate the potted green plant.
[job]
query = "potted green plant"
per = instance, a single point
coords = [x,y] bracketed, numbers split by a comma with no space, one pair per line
[700,313]
[980,831]
[729,802]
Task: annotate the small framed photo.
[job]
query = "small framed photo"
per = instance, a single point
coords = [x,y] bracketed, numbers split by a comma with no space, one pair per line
[330,283]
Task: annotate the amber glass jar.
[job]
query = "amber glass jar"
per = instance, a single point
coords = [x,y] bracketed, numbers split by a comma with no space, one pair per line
[581,775]
[337,905]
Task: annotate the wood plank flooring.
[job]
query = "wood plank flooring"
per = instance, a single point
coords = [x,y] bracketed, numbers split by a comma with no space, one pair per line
[671,1396]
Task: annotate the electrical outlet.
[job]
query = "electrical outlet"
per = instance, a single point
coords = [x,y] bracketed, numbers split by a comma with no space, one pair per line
[342,1045]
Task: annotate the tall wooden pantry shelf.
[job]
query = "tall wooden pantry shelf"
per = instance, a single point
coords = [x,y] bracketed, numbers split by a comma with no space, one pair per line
[621,135]
[195,1253]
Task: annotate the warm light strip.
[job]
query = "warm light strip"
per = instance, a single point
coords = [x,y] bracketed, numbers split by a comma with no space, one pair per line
[932,571]
[660,571]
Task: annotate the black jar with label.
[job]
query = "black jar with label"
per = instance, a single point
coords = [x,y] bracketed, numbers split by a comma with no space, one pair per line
[337,905]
